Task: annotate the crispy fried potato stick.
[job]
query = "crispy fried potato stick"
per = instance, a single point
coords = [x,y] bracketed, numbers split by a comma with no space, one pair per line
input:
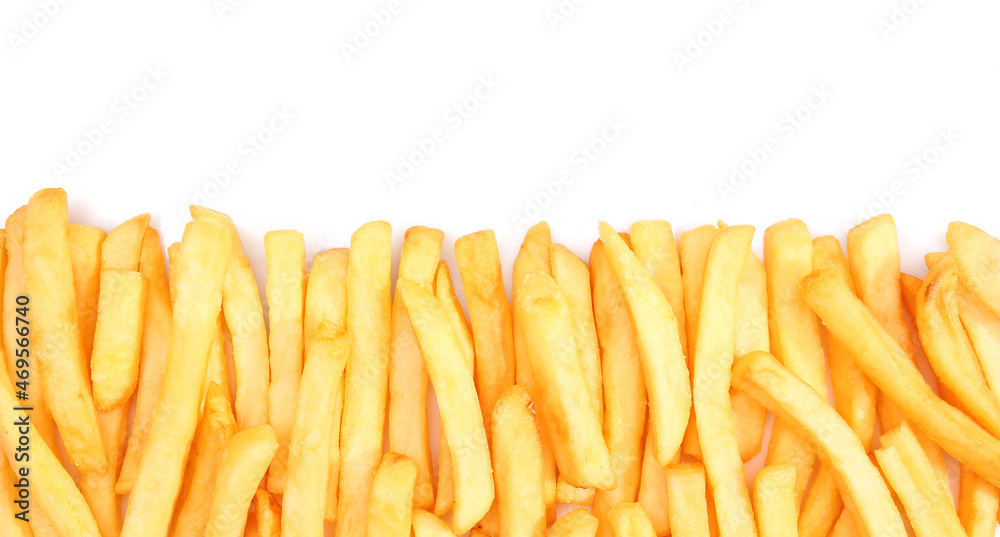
[201,269]
[427,524]
[983,327]
[218,366]
[517,465]
[115,363]
[309,450]
[654,245]
[244,461]
[653,490]
[881,358]
[713,361]
[794,401]
[286,286]
[447,368]
[407,413]
[268,514]
[688,506]
[630,520]
[775,502]
[845,526]
[85,252]
[977,505]
[576,523]
[390,511]
[692,248]
[751,335]
[978,256]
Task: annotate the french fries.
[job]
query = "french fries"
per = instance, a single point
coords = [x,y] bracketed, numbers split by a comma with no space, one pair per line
[517,465]
[268,514]
[751,335]
[775,502]
[791,399]
[85,244]
[115,363]
[390,512]
[692,248]
[653,489]
[630,520]
[686,491]
[983,328]
[10,524]
[977,255]
[576,523]
[977,505]
[427,524]
[244,460]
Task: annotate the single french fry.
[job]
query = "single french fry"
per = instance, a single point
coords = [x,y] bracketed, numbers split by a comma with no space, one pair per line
[576,523]
[427,524]
[390,511]
[409,434]
[517,465]
[775,502]
[653,490]
[85,251]
[216,427]
[286,285]
[367,379]
[977,505]
[201,269]
[173,266]
[654,245]
[983,328]
[268,514]
[447,368]
[218,366]
[153,355]
[688,506]
[713,361]
[309,450]
[845,527]
[751,335]
[115,363]
[794,401]
[977,255]
[244,461]
[630,520]
[692,248]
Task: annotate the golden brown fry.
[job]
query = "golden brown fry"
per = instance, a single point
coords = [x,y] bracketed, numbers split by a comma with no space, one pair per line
[390,511]
[447,368]
[216,427]
[983,328]
[286,285]
[794,401]
[244,461]
[576,523]
[713,361]
[654,245]
[85,251]
[309,450]
[407,412]
[268,514]
[688,508]
[978,256]
[653,490]
[201,269]
[429,525]
[218,366]
[115,363]
[775,502]
[630,520]
[367,379]
[517,465]
[751,335]
[977,505]
[692,248]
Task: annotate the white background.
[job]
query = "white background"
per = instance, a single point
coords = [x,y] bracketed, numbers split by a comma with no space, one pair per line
[896,75]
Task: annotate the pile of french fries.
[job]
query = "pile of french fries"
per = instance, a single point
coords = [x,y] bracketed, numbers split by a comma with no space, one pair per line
[147,395]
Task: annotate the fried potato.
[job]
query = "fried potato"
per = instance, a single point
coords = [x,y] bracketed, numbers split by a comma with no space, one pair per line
[630,520]
[309,450]
[407,413]
[654,245]
[517,465]
[244,461]
[977,505]
[428,525]
[686,490]
[791,399]
[844,527]
[218,362]
[653,490]
[775,502]
[115,363]
[692,248]
[366,382]
[10,525]
[983,328]
[447,367]
[391,508]
[978,256]
[576,523]
[751,335]
[712,364]
[201,269]
[268,514]
[85,252]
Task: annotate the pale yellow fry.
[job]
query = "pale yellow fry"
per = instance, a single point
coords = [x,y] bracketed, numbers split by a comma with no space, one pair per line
[268,514]
[173,260]
[624,388]
[99,489]
[85,250]
[517,465]
[775,502]
[448,370]
[630,520]
[244,461]
[367,379]
[122,246]
[663,363]
[407,413]
[153,356]
[429,525]
[977,505]
[309,450]
[218,366]
[794,401]
[795,338]
[692,248]
[978,257]
[751,335]
[713,361]
[201,269]
[881,358]
[653,490]
[115,363]
[216,427]
[14,516]
[245,318]
[983,328]
[688,507]
[654,245]
[576,523]
[390,512]
[286,286]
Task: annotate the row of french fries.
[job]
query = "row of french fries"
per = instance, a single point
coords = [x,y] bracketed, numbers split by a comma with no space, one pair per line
[635,384]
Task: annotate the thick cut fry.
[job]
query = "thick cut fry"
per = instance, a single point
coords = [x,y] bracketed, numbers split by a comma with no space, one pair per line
[983,327]
[663,363]
[390,512]
[309,450]
[245,318]
[795,338]
[881,358]
[688,506]
[217,426]
[630,520]
[268,514]
[115,363]
[654,245]
[407,413]
[218,366]
[751,335]
[713,361]
[794,401]
[576,523]
[977,505]
[653,490]
[624,389]
[909,472]
[427,524]
[775,502]
[85,250]
[447,368]
[286,286]
[244,461]
[563,395]
[692,248]
[978,257]
[153,355]
[201,269]
[517,466]
[366,382]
